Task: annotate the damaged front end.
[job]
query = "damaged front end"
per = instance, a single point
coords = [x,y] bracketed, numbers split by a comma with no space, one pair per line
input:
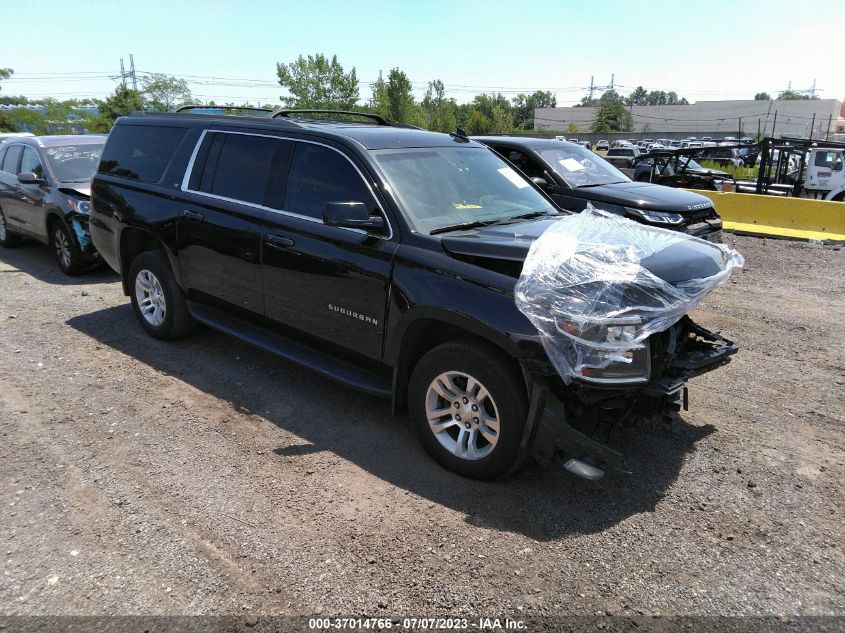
[610,298]
[576,421]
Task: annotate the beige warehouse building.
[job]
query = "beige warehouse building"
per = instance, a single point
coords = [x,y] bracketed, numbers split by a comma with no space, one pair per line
[714,118]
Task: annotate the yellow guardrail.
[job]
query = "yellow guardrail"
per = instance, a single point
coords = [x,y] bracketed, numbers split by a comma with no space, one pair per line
[798,218]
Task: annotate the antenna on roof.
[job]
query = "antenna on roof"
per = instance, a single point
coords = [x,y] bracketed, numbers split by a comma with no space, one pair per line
[460,135]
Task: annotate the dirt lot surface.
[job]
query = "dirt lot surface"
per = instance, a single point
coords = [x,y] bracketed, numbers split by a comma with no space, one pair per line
[207,477]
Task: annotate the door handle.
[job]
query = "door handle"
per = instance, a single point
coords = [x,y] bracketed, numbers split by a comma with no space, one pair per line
[193,215]
[278,241]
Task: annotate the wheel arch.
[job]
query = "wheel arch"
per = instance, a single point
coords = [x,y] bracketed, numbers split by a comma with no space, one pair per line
[133,242]
[428,331]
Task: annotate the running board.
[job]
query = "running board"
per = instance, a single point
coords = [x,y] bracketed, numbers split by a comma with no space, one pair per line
[320,362]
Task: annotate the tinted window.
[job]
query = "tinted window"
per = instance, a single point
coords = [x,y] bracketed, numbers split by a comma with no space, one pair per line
[30,163]
[526,164]
[140,152]
[243,167]
[319,175]
[12,158]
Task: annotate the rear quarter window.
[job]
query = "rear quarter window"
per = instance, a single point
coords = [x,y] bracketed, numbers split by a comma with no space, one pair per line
[140,152]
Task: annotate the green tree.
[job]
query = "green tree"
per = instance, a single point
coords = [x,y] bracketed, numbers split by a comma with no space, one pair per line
[791,95]
[477,123]
[587,102]
[165,92]
[572,128]
[124,101]
[762,96]
[638,96]
[439,112]
[485,103]
[394,98]
[524,106]
[501,121]
[317,82]
[612,115]
[5,73]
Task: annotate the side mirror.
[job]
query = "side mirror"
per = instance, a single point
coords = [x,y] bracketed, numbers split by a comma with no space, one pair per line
[353,215]
[29,178]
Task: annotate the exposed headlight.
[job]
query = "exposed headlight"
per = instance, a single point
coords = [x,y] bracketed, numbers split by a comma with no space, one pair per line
[656,217]
[79,206]
[606,350]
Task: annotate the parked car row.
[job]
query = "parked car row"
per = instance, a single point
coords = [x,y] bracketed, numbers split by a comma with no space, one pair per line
[382,256]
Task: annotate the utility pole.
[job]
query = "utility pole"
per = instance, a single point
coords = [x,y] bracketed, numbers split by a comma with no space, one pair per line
[739,138]
[775,122]
[132,72]
[758,129]
[812,125]
[592,87]
[122,73]
[612,77]
[829,121]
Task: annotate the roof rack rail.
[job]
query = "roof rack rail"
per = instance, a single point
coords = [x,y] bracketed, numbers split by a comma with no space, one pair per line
[284,113]
[186,108]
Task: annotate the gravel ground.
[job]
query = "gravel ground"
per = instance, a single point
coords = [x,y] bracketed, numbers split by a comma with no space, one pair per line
[207,477]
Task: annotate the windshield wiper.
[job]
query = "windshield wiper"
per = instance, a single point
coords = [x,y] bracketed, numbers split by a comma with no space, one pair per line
[478,223]
[533,214]
[465,225]
[600,184]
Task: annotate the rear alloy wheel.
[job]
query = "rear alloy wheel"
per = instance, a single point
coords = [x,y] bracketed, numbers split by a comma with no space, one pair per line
[7,239]
[157,299]
[469,407]
[65,249]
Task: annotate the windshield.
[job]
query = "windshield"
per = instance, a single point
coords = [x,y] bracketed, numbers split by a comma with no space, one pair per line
[74,163]
[580,167]
[446,186]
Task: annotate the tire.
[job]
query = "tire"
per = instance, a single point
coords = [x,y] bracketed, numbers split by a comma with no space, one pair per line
[65,248]
[452,379]
[7,239]
[158,301]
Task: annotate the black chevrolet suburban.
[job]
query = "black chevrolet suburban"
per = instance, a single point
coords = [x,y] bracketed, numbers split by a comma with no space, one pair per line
[379,255]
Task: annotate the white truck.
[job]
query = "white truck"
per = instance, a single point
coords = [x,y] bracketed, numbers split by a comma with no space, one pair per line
[825,173]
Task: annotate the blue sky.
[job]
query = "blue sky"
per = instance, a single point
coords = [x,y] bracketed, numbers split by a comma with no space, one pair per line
[704,50]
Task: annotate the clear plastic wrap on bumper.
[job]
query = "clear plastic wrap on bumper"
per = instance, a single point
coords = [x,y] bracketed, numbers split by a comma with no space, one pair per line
[597,285]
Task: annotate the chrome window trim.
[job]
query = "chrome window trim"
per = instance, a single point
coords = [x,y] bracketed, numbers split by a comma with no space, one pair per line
[190,168]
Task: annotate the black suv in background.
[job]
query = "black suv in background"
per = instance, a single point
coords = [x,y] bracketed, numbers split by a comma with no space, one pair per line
[382,256]
[45,182]
[574,177]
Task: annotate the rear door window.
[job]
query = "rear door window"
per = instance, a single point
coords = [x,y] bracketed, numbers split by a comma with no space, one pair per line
[140,152]
[12,159]
[243,167]
[319,175]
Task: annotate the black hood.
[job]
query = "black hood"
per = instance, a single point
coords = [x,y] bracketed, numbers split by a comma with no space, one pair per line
[645,195]
[688,259]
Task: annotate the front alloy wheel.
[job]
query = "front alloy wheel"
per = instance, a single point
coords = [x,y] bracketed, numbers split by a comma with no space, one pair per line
[469,405]
[65,249]
[462,415]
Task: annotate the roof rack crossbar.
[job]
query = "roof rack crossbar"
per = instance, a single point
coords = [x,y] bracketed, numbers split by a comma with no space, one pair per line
[285,113]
